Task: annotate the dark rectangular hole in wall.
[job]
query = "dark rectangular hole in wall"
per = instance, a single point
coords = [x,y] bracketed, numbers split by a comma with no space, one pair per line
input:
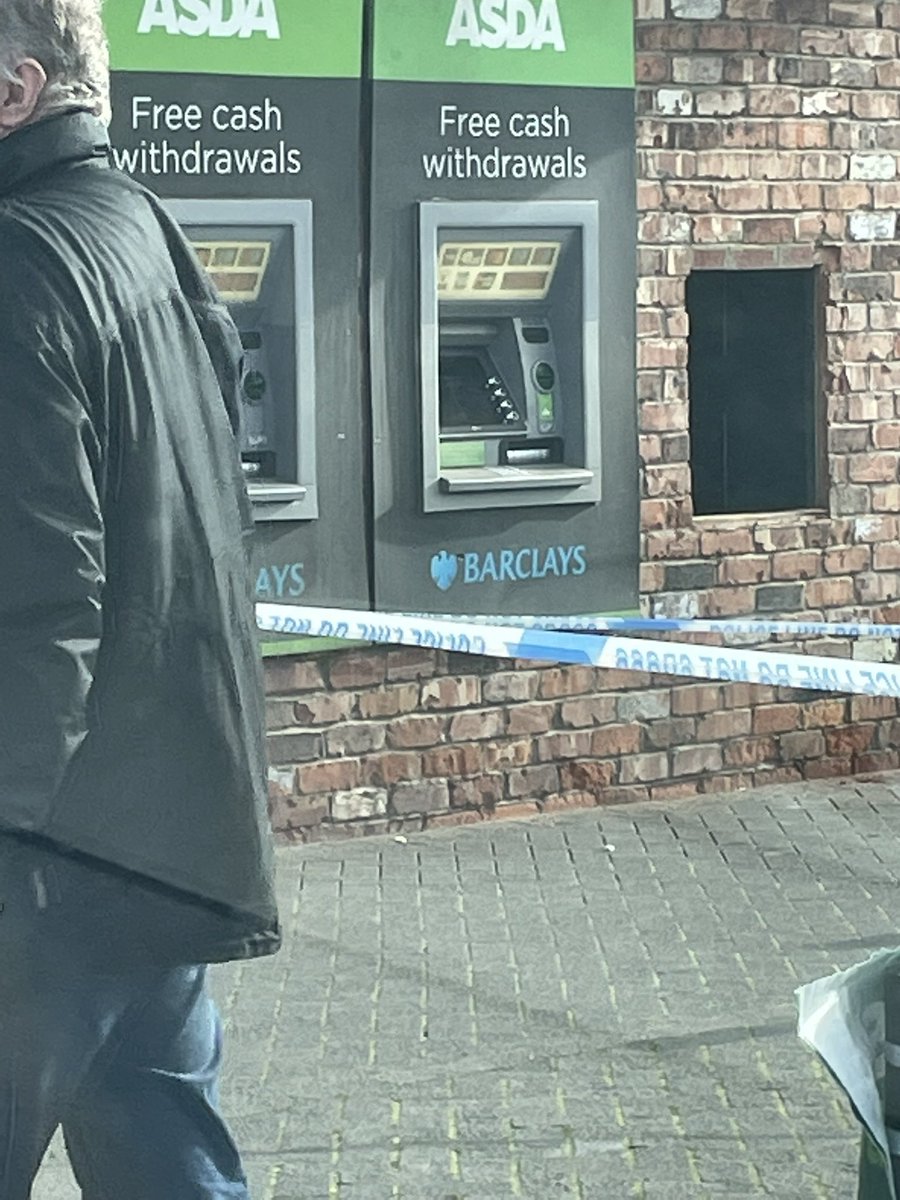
[753,377]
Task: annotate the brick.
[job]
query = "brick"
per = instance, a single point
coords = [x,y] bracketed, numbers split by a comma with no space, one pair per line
[294,747]
[616,740]
[586,776]
[828,768]
[596,710]
[690,575]
[849,73]
[852,12]
[872,43]
[774,101]
[383,770]
[672,102]
[475,725]
[698,68]
[356,668]
[721,102]
[746,752]
[873,468]
[567,681]
[660,735]
[803,133]
[420,797]
[877,760]
[696,760]
[751,568]
[696,698]
[485,791]
[568,800]
[696,10]
[849,739]
[826,102]
[354,739]
[515,811]
[411,731]
[823,713]
[719,726]
[503,686]
[872,226]
[780,597]
[443,761]
[741,197]
[358,803]
[458,692]
[644,705]
[683,789]
[409,662]
[644,768]
[808,743]
[508,753]
[768,229]
[561,744]
[530,718]
[533,780]
[339,775]
[829,593]
[796,564]
[776,718]
[286,676]
[873,166]
[388,701]
[726,541]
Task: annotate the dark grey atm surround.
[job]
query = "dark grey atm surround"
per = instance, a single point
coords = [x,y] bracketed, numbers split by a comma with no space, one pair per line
[512,486]
[294,499]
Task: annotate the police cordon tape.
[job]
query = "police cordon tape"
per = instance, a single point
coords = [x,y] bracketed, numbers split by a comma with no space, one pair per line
[728,664]
[735,627]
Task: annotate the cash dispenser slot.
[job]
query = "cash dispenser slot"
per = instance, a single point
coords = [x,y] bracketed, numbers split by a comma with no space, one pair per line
[259,256]
[504,355]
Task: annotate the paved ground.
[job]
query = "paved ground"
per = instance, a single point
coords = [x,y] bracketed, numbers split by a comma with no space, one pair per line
[597,1005]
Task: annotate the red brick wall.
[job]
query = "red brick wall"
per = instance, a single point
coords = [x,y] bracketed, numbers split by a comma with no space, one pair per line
[390,739]
[768,133]
[768,138]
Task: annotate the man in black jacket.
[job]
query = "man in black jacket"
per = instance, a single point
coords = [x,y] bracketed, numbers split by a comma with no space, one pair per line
[134,838]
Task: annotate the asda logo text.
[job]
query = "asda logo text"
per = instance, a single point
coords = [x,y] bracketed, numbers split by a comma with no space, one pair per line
[507,24]
[212,18]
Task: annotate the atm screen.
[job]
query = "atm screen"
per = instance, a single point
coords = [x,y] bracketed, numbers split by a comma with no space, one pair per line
[473,396]
[499,271]
[238,269]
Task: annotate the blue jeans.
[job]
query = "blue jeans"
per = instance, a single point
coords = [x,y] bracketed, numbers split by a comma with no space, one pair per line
[124,1058]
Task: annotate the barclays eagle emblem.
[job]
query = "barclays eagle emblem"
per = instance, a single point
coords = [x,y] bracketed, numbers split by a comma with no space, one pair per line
[444,568]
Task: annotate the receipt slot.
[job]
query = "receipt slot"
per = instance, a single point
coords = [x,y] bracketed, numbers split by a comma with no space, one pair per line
[510,369]
[259,254]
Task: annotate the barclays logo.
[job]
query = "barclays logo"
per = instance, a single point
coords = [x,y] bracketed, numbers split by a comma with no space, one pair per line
[444,569]
[508,566]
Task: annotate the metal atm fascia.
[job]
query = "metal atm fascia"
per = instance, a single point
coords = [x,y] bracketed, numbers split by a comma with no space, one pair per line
[291,500]
[510,487]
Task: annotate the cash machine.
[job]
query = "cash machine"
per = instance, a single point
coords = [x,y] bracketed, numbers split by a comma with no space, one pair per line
[502,308]
[510,370]
[259,254]
[251,135]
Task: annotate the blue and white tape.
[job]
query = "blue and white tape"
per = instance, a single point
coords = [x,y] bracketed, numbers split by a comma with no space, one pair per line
[725,664]
[739,627]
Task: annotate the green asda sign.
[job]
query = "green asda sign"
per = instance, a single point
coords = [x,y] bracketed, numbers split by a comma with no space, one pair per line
[286,38]
[562,43]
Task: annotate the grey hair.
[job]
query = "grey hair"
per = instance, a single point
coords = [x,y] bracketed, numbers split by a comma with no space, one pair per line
[68,40]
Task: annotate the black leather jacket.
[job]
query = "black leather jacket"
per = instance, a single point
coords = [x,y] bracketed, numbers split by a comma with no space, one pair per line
[131,706]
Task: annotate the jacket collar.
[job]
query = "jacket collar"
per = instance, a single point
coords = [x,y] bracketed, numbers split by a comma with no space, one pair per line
[70,137]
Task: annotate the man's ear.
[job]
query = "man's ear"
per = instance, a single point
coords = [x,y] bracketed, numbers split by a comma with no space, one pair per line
[19,95]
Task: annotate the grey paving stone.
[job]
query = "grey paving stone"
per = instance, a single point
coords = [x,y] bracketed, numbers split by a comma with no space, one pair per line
[516,1010]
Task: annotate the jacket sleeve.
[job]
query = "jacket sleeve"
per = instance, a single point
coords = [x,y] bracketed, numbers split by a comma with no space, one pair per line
[51,549]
